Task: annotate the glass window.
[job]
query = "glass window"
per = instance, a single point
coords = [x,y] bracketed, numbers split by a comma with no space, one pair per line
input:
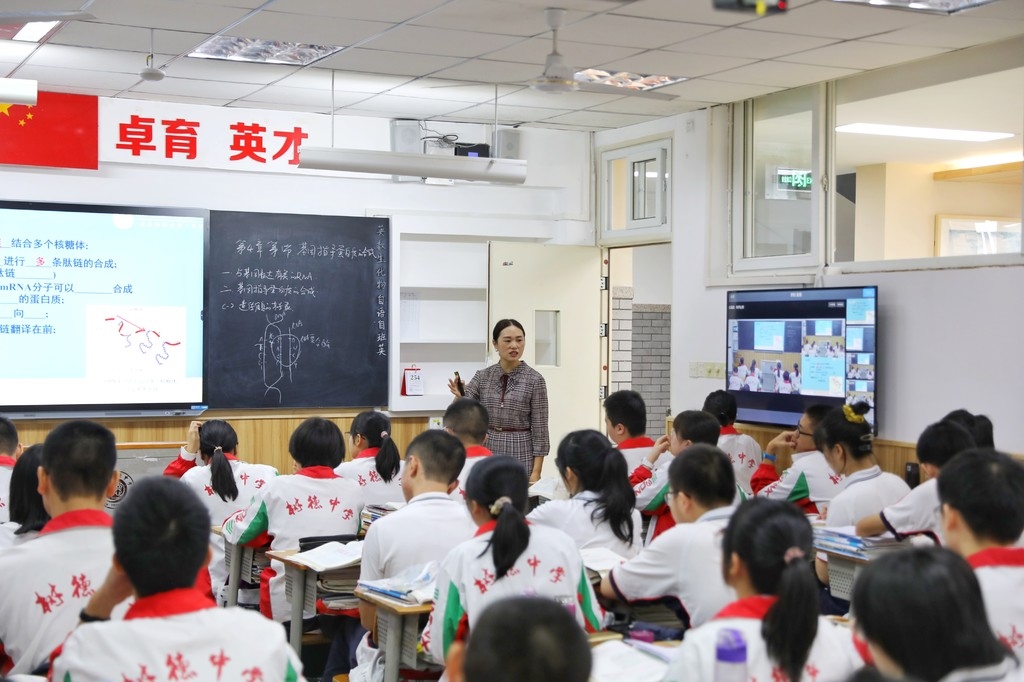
[634,194]
[546,337]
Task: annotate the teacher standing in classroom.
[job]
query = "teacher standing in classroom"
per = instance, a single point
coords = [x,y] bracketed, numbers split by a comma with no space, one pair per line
[516,399]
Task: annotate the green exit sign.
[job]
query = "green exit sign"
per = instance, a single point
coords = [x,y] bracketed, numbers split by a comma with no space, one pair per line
[793,179]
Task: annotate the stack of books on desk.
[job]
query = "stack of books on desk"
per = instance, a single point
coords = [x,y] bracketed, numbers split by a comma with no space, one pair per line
[338,567]
[845,541]
[372,512]
[415,585]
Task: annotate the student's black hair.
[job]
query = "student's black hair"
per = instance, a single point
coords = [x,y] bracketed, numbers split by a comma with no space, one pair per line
[161,535]
[503,324]
[8,437]
[941,441]
[491,479]
[987,488]
[441,455]
[705,474]
[629,409]
[817,413]
[923,607]
[375,427]
[79,457]
[527,638]
[216,437]
[773,538]
[600,468]
[979,425]
[698,426]
[26,503]
[846,426]
[467,419]
[722,404]
[317,442]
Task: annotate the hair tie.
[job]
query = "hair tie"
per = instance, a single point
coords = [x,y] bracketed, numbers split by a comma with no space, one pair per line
[218,449]
[792,554]
[852,416]
[499,504]
[383,434]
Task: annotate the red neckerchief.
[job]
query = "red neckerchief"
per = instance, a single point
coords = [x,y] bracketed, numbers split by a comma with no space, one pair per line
[749,607]
[997,556]
[638,442]
[6,461]
[317,472]
[729,430]
[81,518]
[169,603]
[477,451]
[489,526]
[367,453]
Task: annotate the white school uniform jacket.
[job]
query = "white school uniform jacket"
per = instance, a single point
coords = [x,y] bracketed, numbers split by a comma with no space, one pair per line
[474,454]
[8,537]
[178,635]
[575,517]
[832,657]
[1000,571]
[426,529]
[251,480]
[917,512]
[48,581]
[363,471]
[312,502]
[683,563]
[744,454]
[6,467]
[635,449]
[550,567]
[867,493]
[809,477]
[1008,670]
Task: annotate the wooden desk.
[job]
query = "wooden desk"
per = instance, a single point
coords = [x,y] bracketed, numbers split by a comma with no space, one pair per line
[398,631]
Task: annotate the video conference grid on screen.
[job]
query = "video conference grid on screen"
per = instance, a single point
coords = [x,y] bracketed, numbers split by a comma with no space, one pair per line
[795,347]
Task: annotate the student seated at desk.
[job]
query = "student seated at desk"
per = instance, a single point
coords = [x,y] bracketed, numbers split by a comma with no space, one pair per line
[982,496]
[979,426]
[602,511]
[171,631]
[921,612]
[625,422]
[377,464]
[507,557]
[522,639]
[685,562]
[743,451]
[651,484]
[429,526]
[918,512]
[48,580]
[809,483]
[28,513]
[223,483]
[313,501]
[765,557]
[10,450]
[467,420]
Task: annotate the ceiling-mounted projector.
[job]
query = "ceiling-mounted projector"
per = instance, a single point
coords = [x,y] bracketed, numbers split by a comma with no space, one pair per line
[759,6]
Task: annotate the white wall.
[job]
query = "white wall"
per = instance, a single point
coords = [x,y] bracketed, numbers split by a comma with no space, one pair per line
[652,274]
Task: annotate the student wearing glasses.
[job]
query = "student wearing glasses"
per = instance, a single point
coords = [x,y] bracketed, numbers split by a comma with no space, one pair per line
[809,482]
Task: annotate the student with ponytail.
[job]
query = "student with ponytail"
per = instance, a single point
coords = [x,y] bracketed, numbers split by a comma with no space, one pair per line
[376,465]
[766,553]
[601,512]
[507,557]
[224,483]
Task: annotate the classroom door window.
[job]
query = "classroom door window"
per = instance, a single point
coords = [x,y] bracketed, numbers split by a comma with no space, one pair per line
[546,339]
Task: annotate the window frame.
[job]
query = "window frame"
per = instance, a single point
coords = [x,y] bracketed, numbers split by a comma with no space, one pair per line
[637,231]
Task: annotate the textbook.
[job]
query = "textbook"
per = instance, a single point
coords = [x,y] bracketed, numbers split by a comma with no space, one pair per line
[600,560]
[844,540]
[617,661]
[549,488]
[372,512]
[415,585]
[331,555]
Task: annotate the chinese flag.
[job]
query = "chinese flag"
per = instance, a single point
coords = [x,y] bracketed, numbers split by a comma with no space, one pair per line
[60,130]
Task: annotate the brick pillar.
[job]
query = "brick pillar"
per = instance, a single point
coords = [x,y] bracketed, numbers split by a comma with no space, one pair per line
[652,325]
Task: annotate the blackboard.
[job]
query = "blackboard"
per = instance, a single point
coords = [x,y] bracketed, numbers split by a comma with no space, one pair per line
[297,312]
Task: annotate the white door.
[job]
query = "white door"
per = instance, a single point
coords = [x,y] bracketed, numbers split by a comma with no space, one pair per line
[555,292]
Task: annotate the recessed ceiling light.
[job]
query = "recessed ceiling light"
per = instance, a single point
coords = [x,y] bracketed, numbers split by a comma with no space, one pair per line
[933,6]
[262,51]
[34,31]
[923,133]
[625,79]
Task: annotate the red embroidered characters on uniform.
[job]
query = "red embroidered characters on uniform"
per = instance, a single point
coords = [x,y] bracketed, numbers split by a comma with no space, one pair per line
[81,587]
[334,502]
[245,478]
[178,667]
[293,507]
[144,676]
[49,601]
[1015,640]
[534,562]
[313,502]
[557,573]
[219,661]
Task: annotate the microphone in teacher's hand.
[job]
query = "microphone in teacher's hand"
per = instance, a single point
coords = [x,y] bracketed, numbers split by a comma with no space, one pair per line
[459,385]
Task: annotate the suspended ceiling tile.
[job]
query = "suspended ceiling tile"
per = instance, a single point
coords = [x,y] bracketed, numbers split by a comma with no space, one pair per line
[183,87]
[782,74]
[14,51]
[439,41]
[278,106]
[392,63]
[858,54]
[579,55]
[276,94]
[599,119]
[165,14]
[348,81]
[131,38]
[741,42]
[164,97]
[631,32]
[957,31]
[581,5]
[391,105]
[838,20]
[79,90]
[679,64]
[66,56]
[650,107]
[372,10]
[507,115]
[696,11]
[460,91]
[719,92]
[305,28]
[246,4]
[556,100]
[492,16]
[49,76]
[487,71]
[998,10]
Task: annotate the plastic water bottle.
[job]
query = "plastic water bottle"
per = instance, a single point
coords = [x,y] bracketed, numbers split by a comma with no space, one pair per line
[730,656]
